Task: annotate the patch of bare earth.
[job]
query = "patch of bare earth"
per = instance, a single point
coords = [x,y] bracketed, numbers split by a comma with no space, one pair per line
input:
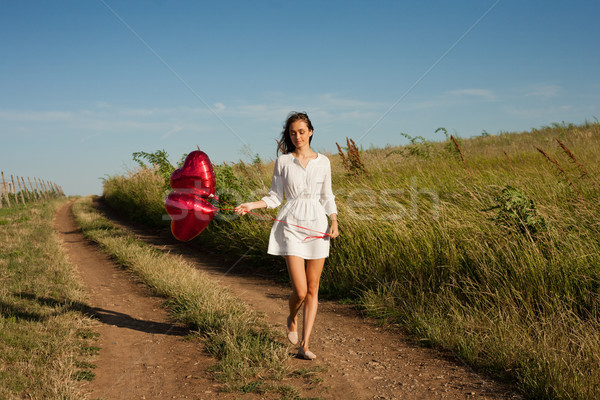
[360,359]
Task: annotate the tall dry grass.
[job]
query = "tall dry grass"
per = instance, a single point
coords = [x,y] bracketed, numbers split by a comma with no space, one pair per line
[502,268]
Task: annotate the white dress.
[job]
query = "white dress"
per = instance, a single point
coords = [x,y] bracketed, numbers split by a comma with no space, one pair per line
[309,202]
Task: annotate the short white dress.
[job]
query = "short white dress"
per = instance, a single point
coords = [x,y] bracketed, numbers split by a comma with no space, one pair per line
[309,201]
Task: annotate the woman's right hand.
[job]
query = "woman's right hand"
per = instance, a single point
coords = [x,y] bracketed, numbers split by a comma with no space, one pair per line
[243,208]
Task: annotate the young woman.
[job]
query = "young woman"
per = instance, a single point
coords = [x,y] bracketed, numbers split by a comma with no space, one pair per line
[303,177]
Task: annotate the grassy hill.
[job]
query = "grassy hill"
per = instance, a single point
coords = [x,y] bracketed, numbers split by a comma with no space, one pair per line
[487,246]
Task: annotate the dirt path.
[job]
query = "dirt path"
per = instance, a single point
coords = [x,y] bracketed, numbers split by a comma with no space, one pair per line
[143,355]
[362,360]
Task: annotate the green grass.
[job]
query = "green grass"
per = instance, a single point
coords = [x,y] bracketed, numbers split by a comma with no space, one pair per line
[43,331]
[246,347]
[500,263]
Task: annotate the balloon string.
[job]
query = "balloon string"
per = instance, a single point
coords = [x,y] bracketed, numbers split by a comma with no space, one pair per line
[325,234]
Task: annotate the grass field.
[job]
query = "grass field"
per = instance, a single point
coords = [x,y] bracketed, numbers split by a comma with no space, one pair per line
[46,342]
[487,246]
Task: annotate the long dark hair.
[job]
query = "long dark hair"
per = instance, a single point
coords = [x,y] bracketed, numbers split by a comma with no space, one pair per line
[285,145]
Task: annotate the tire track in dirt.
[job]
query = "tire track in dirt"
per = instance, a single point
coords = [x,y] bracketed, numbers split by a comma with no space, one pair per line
[361,360]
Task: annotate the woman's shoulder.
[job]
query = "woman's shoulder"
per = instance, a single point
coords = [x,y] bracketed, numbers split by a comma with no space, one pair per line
[284,157]
[323,158]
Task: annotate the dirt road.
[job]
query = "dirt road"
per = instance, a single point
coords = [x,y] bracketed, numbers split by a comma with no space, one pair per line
[143,354]
[360,359]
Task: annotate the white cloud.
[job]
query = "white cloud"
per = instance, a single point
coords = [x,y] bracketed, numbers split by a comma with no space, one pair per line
[89,137]
[30,115]
[543,90]
[175,129]
[103,104]
[483,93]
[332,100]
[541,112]
[164,122]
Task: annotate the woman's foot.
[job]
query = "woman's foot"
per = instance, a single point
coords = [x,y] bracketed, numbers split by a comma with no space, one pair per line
[306,354]
[291,335]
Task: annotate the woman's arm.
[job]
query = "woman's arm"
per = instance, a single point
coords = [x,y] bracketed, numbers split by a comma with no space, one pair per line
[245,207]
[327,199]
[272,200]
[275,196]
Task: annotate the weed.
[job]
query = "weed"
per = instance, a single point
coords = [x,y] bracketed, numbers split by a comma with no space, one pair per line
[85,375]
[459,151]
[418,147]
[90,350]
[562,171]
[574,160]
[516,210]
[351,160]
[159,160]
[253,387]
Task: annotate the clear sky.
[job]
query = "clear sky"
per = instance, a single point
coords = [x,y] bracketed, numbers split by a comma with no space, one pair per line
[85,83]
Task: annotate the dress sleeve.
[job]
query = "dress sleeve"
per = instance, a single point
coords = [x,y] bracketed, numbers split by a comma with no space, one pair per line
[327,198]
[275,196]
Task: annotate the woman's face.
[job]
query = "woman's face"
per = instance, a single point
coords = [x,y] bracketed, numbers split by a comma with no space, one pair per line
[300,134]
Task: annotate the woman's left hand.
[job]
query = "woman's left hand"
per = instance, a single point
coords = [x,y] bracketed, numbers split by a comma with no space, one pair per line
[333,230]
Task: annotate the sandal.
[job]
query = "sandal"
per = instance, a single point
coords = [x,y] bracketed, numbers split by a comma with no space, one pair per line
[291,335]
[307,355]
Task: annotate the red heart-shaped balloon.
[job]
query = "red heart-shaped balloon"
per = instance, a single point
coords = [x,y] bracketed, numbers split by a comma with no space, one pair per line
[196,173]
[190,215]
[188,204]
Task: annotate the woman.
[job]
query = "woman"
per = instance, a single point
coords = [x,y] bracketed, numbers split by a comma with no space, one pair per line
[304,178]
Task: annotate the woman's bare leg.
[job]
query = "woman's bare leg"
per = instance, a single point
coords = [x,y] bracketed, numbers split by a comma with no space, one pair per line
[314,268]
[295,267]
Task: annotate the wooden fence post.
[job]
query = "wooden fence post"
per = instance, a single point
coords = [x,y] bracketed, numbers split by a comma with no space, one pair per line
[38,187]
[34,193]
[12,179]
[20,190]
[5,190]
[49,186]
[25,188]
[45,189]
[58,194]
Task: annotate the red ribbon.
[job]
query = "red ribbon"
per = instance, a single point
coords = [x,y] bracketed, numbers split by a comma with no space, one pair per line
[325,234]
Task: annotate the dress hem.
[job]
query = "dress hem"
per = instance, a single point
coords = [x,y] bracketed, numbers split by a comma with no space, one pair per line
[296,254]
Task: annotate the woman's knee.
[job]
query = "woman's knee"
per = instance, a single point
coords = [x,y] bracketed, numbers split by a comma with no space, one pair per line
[300,293]
[312,290]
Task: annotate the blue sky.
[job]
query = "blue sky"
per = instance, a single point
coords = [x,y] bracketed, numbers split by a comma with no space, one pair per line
[84,84]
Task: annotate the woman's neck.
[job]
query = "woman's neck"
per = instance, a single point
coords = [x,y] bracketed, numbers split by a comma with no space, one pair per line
[303,152]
